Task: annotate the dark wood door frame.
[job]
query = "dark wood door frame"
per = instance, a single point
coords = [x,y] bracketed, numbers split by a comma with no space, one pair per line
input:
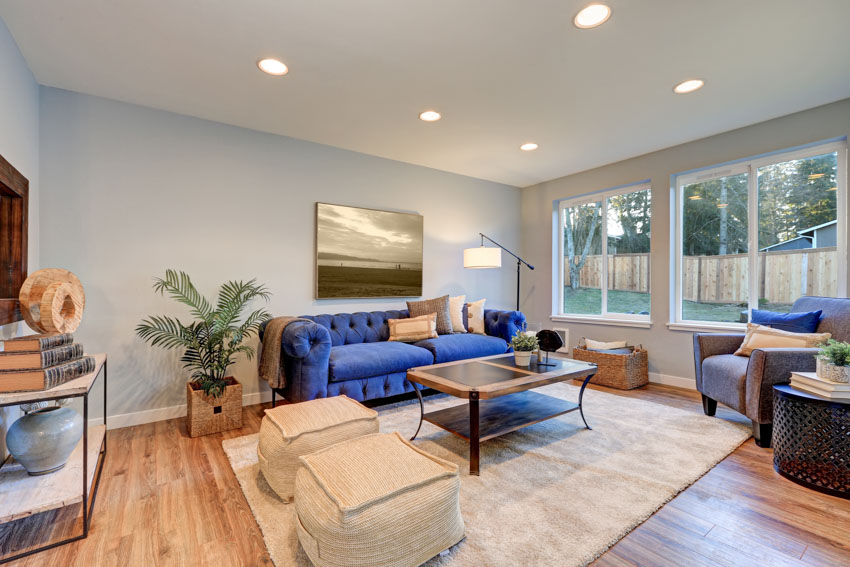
[14,216]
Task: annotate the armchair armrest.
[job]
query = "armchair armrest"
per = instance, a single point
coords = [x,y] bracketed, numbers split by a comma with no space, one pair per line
[504,324]
[712,344]
[769,366]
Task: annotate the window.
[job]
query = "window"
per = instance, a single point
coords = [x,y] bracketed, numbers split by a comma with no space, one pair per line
[610,281]
[759,234]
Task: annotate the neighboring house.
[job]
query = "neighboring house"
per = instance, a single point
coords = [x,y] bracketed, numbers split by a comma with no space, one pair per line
[819,236]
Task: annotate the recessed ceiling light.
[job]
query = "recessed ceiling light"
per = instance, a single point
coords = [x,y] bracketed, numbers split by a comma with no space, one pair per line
[694,197]
[529,146]
[272,67]
[592,16]
[430,116]
[688,86]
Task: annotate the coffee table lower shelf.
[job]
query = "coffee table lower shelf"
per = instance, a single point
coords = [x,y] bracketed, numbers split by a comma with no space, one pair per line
[499,416]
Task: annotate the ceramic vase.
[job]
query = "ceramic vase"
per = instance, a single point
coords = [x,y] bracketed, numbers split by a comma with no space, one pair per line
[522,357]
[43,440]
[833,373]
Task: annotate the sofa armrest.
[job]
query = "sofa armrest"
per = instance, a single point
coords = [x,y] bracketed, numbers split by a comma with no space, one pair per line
[503,324]
[712,344]
[769,366]
[306,354]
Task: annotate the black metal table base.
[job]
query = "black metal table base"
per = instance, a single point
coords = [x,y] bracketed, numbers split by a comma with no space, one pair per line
[481,420]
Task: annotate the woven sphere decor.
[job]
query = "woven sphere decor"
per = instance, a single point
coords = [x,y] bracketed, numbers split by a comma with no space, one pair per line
[52,301]
[549,341]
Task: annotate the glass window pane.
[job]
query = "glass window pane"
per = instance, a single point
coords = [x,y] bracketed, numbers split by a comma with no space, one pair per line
[715,283]
[583,259]
[797,230]
[628,253]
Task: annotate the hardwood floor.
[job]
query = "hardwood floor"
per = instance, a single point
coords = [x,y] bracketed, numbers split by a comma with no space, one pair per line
[167,499]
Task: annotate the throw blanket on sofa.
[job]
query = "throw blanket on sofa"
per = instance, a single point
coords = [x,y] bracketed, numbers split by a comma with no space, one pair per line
[270,368]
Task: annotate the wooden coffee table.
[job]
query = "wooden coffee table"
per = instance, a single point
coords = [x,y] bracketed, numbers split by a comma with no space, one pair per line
[499,394]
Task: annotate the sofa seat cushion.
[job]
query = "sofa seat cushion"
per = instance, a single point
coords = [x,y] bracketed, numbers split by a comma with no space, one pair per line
[447,348]
[349,362]
[725,380]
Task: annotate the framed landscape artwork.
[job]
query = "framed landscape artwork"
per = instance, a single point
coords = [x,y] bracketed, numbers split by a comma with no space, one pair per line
[363,253]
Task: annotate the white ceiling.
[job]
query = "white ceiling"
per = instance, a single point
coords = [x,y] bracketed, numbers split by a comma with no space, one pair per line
[502,72]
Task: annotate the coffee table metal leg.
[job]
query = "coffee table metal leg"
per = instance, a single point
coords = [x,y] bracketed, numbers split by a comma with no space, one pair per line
[421,409]
[580,396]
[473,433]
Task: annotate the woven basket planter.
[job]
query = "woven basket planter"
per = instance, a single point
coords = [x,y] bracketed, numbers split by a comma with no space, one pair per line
[621,371]
[206,414]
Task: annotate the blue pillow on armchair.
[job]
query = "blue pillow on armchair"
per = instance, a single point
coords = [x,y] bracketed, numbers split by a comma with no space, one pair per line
[806,322]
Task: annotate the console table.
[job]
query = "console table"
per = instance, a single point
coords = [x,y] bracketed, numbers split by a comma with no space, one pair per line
[22,495]
[811,440]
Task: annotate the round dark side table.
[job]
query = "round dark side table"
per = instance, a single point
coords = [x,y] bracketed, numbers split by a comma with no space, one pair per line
[811,440]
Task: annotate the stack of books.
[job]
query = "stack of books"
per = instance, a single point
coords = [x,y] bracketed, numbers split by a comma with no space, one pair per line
[41,362]
[811,383]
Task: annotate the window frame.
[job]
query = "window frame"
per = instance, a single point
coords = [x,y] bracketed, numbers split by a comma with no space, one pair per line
[750,166]
[605,317]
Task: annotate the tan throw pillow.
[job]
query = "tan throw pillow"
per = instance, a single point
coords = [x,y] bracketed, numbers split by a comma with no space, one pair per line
[440,306]
[599,345]
[475,317]
[413,329]
[761,336]
[456,313]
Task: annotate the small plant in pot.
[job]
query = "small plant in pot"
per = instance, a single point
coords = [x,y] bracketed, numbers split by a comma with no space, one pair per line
[833,361]
[524,345]
[210,345]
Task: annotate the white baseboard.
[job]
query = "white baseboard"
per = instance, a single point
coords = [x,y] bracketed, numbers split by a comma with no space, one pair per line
[161,414]
[669,380]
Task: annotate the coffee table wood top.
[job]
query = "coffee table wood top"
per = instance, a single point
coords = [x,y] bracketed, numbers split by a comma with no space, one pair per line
[494,376]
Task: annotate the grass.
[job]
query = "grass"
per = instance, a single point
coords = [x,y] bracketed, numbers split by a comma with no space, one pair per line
[339,281]
[588,301]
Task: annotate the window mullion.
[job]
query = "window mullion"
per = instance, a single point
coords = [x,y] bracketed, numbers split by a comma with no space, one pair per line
[604,236]
[753,237]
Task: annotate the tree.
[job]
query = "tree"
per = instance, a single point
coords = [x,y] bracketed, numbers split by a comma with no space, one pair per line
[580,233]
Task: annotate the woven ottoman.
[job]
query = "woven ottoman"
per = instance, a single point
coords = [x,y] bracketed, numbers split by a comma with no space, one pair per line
[376,501]
[290,431]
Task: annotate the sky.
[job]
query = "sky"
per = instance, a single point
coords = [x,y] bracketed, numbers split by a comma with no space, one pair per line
[367,233]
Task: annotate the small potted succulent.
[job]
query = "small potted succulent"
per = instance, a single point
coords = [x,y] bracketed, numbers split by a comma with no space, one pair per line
[833,361]
[524,344]
[210,344]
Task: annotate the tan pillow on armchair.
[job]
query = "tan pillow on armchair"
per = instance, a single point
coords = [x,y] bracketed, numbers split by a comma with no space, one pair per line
[761,336]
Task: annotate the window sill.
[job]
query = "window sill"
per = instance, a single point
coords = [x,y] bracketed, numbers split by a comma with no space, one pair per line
[641,323]
[707,327]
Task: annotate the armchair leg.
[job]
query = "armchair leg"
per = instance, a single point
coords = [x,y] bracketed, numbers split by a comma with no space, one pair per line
[762,432]
[709,406]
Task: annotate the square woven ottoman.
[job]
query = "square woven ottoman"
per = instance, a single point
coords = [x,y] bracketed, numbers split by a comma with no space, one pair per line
[290,431]
[376,501]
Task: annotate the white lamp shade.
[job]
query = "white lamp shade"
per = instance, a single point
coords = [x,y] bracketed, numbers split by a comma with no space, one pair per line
[482,257]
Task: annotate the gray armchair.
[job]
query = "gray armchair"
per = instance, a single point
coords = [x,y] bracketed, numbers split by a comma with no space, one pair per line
[746,384]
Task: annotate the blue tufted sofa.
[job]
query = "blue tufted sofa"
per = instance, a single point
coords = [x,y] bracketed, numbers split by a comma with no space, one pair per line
[349,353]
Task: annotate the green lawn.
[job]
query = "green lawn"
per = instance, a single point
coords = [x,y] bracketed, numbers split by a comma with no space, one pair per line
[588,301]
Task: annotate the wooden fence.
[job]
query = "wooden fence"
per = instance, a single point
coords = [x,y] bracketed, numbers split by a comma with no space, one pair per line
[783,275]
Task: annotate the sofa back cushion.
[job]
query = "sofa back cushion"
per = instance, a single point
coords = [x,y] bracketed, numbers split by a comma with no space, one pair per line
[356,328]
[835,316]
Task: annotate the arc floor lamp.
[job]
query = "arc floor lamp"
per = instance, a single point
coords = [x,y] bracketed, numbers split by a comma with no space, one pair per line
[490,257]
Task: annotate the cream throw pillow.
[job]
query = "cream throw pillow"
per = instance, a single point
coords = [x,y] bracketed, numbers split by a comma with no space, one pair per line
[456,312]
[475,316]
[599,345]
[761,336]
[413,329]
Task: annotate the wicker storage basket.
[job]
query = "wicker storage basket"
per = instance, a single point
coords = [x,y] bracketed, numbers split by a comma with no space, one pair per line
[622,371]
[206,414]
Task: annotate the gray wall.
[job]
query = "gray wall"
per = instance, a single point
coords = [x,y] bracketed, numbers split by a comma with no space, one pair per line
[130,191]
[19,145]
[670,352]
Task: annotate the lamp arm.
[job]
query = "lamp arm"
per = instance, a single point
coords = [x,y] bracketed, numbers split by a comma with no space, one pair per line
[483,236]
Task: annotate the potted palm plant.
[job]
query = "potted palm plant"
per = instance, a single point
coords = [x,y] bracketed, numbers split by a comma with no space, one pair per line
[210,345]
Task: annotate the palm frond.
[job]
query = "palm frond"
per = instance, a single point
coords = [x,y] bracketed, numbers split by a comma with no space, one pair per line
[179,287]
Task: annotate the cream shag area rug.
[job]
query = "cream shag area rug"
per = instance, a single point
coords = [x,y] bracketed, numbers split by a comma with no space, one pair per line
[553,493]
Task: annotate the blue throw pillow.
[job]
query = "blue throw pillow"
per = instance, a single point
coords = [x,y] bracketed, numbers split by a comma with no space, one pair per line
[806,322]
